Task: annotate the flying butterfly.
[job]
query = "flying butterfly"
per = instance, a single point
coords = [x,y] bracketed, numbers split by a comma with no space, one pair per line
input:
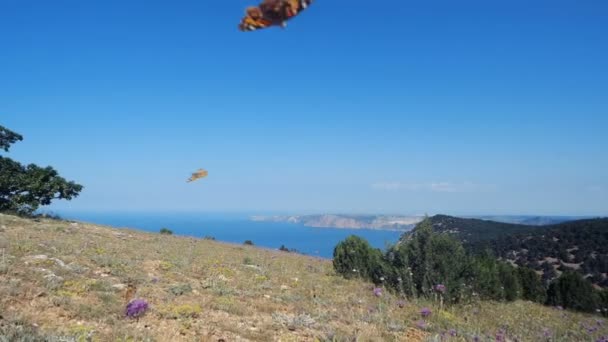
[272,13]
[201,173]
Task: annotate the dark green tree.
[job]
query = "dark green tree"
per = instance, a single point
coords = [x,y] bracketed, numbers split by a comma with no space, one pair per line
[510,281]
[7,138]
[24,188]
[572,291]
[355,257]
[166,231]
[417,249]
[532,288]
[486,277]
[432,259]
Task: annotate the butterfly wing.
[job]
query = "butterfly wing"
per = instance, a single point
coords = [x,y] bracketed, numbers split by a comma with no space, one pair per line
[249,23]
[298,6]
[197,175]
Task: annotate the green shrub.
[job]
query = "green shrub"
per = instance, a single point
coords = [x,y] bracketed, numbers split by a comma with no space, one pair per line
[572,291]
[166,231]
[248,243]
[531,285]
[355,257]
[180,289]
[509,279]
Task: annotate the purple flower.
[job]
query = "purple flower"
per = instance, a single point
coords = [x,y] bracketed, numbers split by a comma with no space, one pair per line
[500,335]
[603,339]
[136,308]
[421,324]
[425,312]
[475,338]
[439,288]
[559,307]
[378,292]
[599,322]
[154,280]
[452,332]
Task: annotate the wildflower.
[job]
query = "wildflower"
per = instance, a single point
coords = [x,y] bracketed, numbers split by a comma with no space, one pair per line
[421,324]
[559,307]
[401,304]
[599,322]
[500,336]
[452,332]
[136,308]
[475,338]
[154,280]
[546,332]
[381,278]
[425,312]
[378,292]
[440,288]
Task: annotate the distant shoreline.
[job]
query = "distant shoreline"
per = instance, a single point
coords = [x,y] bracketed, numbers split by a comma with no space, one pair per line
[370,222]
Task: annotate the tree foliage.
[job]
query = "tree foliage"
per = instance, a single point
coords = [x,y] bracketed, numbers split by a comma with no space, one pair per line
[574,292]
[355,257]
[24,188]
[426,258]
[531,285]
[7,138]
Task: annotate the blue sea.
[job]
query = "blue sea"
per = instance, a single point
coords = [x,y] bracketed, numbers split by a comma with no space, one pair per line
[233,228]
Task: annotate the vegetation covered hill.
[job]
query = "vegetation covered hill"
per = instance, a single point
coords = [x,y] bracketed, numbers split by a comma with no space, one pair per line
[580,245]
[471,230]
[60,279]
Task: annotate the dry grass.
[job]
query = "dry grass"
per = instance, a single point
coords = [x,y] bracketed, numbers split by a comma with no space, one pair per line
[73,279]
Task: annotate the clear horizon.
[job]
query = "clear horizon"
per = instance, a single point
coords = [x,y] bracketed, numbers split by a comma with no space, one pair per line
[468,108]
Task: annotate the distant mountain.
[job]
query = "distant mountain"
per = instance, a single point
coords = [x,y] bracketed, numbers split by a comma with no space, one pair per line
[472,230]
[580,245]
[383,222]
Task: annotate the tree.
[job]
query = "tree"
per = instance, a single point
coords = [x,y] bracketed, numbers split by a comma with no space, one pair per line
[486,278]
[166,231]
[355,257]
[7,138]
[531,285]
[574,292]
[510,281]
[433,259]
[24,188]
[248,243]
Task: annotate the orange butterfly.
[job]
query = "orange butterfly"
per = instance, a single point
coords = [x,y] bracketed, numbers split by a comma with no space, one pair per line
[272,13]
[201,173]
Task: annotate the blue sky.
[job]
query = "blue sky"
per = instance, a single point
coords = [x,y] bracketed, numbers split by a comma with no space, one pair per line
[458,107]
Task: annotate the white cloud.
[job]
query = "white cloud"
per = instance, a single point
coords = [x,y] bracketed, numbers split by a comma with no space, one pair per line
[433,186]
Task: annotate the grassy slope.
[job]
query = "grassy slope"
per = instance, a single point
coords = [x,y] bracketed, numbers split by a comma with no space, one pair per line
[238,293]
